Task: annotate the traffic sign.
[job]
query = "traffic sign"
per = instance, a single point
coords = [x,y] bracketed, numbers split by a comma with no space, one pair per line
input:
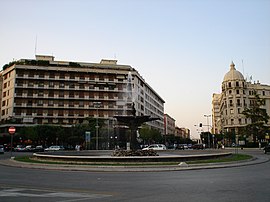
[11,130]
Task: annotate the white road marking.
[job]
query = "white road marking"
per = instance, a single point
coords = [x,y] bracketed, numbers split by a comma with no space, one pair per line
[40,193]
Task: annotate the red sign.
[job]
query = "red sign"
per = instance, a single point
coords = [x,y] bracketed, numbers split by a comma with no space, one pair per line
[11,130]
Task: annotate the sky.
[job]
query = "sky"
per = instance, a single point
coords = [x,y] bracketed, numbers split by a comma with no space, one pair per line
[182,48]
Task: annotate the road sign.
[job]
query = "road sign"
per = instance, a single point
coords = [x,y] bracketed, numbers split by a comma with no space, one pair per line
[11,130]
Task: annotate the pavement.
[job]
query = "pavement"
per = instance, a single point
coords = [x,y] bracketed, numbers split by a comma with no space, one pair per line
[182,166]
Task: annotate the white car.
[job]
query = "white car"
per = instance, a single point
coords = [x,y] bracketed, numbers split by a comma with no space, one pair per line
[1,149]
[55,148]
[155,147]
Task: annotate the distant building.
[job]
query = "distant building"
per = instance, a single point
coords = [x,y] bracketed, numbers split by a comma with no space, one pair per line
[182,132]
[237,94]
[169,125]
[45,91]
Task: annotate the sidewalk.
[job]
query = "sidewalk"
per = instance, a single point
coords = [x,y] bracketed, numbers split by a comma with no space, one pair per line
[147,168]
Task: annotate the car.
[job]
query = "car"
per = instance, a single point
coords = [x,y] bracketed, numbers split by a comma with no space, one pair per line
[39,148]
[198,146]
[29,148]
[2,149]
[155,147]
[180,146]
[266,148]
[19,148]
[54,148]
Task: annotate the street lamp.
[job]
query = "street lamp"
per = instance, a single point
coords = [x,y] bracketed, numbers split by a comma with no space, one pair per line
[97,105]
[207,116]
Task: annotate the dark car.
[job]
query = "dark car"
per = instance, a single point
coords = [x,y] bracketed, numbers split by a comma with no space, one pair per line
[198,146]
[180,146]
[39,148]
[266,148]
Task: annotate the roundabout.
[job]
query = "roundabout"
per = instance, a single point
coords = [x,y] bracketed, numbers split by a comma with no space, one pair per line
[102,161]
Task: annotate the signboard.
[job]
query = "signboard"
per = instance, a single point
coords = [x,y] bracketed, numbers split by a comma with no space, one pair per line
[11,130]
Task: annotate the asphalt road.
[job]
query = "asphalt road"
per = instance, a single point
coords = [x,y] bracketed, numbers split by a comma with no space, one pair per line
[248,183]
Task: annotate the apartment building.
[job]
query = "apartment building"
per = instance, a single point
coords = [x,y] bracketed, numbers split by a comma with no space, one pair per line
[46,91]
[182,132]
[169,125]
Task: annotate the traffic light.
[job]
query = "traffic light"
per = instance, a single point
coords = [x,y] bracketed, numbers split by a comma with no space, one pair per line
[200,124]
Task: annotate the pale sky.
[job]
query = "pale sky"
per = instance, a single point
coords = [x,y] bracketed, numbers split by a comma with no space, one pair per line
[182,48]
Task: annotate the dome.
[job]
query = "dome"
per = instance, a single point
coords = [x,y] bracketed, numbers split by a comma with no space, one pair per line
[233,74]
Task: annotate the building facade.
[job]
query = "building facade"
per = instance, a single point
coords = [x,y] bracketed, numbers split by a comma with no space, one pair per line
[45,91]
[237,94]
[169,125]
[182,132]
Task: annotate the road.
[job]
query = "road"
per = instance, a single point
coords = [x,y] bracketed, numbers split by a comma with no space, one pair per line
[248,183]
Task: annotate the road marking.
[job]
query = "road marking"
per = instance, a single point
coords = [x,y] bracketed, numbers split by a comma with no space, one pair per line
[40,193]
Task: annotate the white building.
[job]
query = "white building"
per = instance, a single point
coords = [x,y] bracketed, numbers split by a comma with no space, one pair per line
[237,94]
[45,91]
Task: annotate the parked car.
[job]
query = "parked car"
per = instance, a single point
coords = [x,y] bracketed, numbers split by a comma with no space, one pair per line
[198,146]
[54,148]
[2,149]
[266,148]
[19,148]
[180,146]
[155,147]
[29,148]
[39,148]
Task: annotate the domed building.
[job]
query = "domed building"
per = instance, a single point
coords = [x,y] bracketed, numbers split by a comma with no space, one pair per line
[237,94]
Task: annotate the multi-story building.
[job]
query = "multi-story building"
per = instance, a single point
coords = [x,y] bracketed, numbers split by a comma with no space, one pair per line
[169,125]
[182,132]
[45,91]
[237,94]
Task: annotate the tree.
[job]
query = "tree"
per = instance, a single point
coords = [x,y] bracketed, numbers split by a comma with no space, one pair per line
[258,117]
[150,135]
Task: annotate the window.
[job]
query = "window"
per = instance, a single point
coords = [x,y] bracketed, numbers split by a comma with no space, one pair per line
[61,94]
[40,102]
[230,85]
[52,75]
[237,91]
[71,94]
[238,102]
[50,102]
[237,83]
[40,93]
[62,85]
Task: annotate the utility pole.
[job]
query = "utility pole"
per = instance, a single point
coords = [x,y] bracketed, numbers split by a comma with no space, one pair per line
[207,116]
[97,105]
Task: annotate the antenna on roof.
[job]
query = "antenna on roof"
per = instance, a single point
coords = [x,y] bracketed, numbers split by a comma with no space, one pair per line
[36,46]
[243,67]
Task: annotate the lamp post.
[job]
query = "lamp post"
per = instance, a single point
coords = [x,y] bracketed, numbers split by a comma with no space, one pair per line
[207,116]
[97,105]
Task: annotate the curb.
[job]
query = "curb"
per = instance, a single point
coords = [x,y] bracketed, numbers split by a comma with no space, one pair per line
[89,168]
